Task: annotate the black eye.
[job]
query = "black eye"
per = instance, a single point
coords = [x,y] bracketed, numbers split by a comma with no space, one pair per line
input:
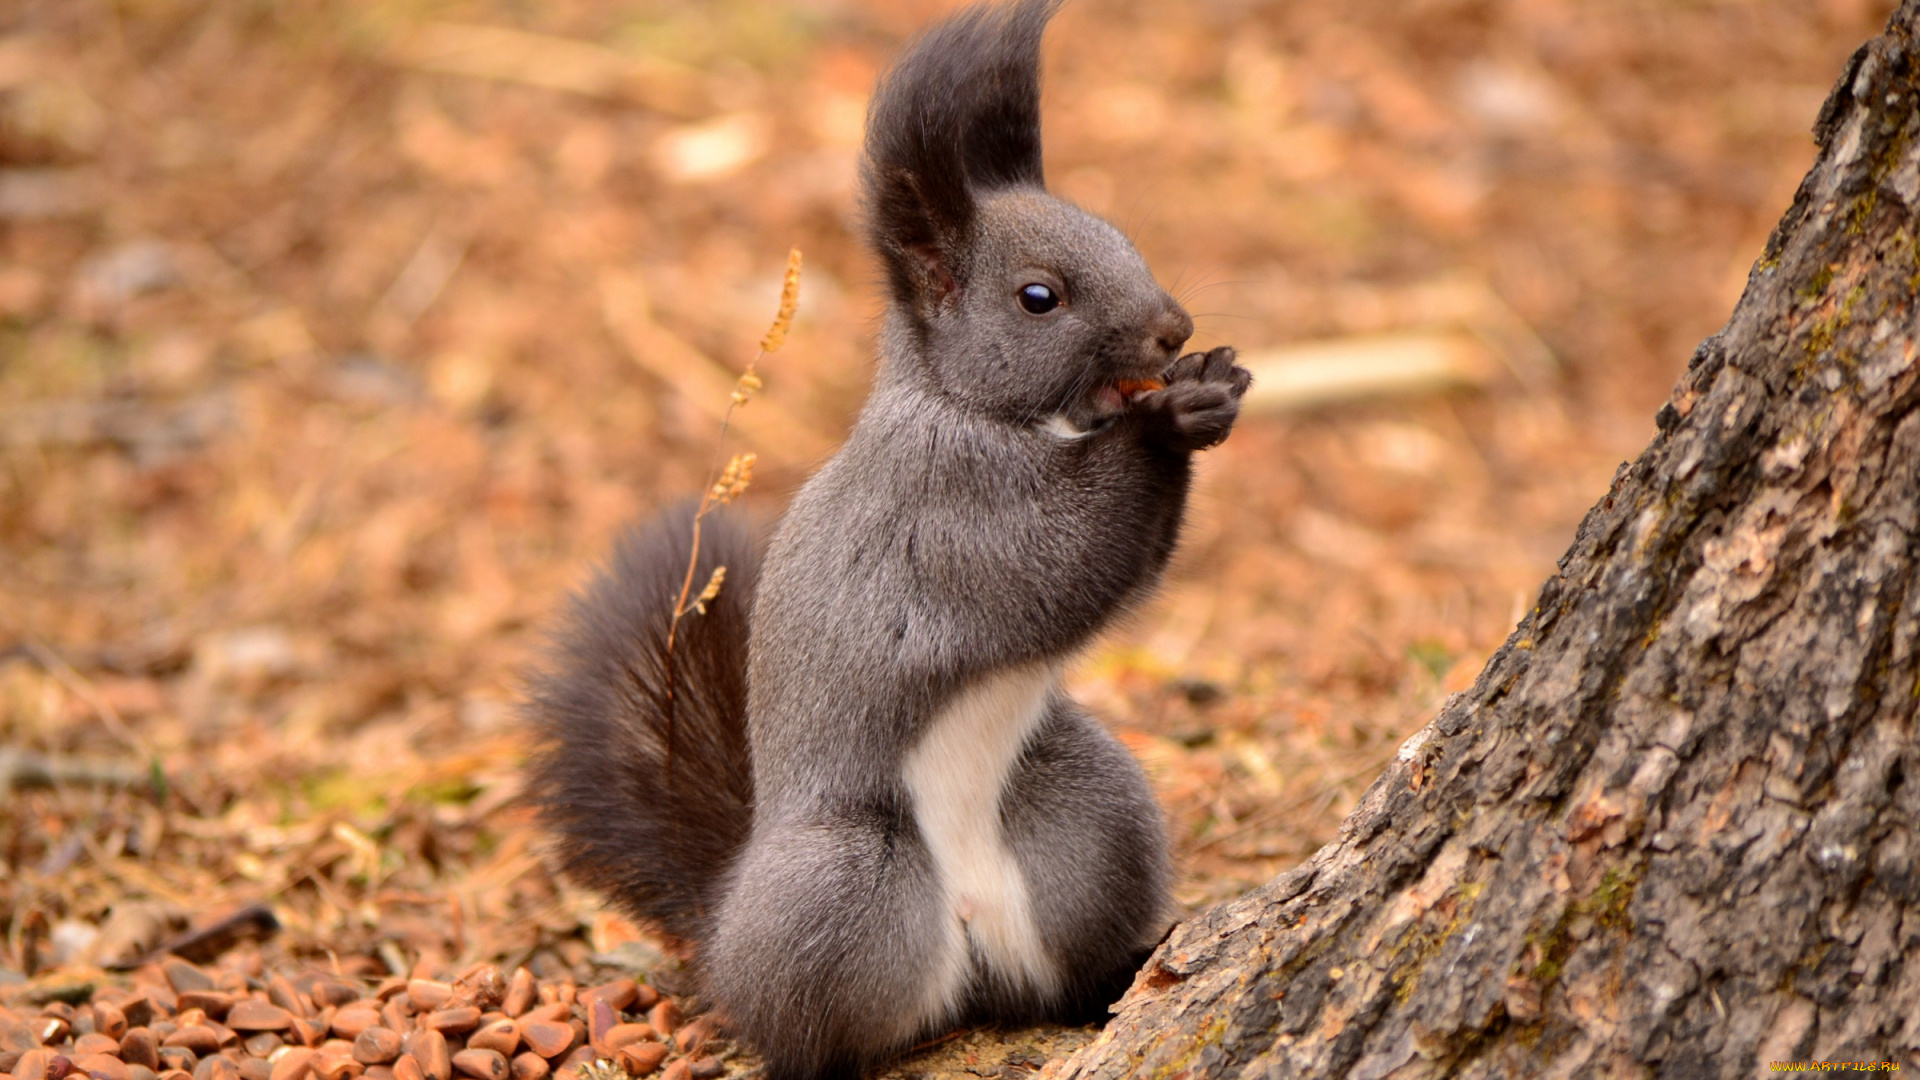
[1038,299]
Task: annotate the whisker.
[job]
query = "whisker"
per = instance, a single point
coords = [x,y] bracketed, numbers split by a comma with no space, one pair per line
[1197,289]
[1199,282]
[1131,216]
[1177,278]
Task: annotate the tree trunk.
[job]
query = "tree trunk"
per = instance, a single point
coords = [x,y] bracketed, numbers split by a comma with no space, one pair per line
[1670,830]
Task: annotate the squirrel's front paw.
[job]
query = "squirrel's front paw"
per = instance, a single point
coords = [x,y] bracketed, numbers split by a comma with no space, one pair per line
[1200,402]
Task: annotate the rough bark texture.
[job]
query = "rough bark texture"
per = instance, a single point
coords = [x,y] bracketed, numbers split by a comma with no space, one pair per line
[1670,830]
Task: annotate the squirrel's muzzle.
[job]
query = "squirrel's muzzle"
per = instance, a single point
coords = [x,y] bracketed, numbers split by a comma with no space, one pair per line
[1168,331]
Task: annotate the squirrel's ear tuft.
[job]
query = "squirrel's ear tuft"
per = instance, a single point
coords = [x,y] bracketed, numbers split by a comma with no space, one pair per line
[959,114]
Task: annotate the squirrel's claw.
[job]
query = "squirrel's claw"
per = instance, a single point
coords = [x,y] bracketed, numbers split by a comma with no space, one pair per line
[1201,400]
[1215,366]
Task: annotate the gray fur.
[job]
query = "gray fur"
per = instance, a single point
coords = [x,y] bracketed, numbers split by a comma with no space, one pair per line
[618,758]
[999,501]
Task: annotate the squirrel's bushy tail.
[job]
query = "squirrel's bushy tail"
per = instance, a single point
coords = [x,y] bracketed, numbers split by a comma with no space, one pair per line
[647,821]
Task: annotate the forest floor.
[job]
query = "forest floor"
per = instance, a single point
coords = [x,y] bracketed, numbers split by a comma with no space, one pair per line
[337,340]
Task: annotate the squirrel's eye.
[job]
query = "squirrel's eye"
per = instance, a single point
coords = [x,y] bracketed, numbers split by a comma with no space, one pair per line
[1038,299]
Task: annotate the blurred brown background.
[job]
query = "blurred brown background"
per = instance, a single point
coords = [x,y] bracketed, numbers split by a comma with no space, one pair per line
[338,338]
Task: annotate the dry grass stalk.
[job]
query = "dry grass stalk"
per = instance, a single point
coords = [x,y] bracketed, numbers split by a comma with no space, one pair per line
[731,481]
[780,434]
[737,475]
[789,303]
[712,590]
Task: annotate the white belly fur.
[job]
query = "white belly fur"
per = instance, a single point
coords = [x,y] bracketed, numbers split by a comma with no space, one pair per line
[956,774]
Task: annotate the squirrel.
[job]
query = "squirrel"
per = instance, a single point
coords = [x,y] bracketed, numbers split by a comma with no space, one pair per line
[865,801]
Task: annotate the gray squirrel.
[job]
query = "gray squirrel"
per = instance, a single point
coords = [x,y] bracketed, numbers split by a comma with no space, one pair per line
[869,807]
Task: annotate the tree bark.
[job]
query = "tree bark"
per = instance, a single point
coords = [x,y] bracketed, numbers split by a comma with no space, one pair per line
[1670,830]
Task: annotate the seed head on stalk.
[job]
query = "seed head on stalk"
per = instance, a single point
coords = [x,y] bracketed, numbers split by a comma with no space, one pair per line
[731,481]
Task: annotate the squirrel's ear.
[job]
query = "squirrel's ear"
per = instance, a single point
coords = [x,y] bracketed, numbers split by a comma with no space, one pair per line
[958,115]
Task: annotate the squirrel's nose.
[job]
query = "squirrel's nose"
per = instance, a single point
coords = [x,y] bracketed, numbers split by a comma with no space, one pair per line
[1171,328]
